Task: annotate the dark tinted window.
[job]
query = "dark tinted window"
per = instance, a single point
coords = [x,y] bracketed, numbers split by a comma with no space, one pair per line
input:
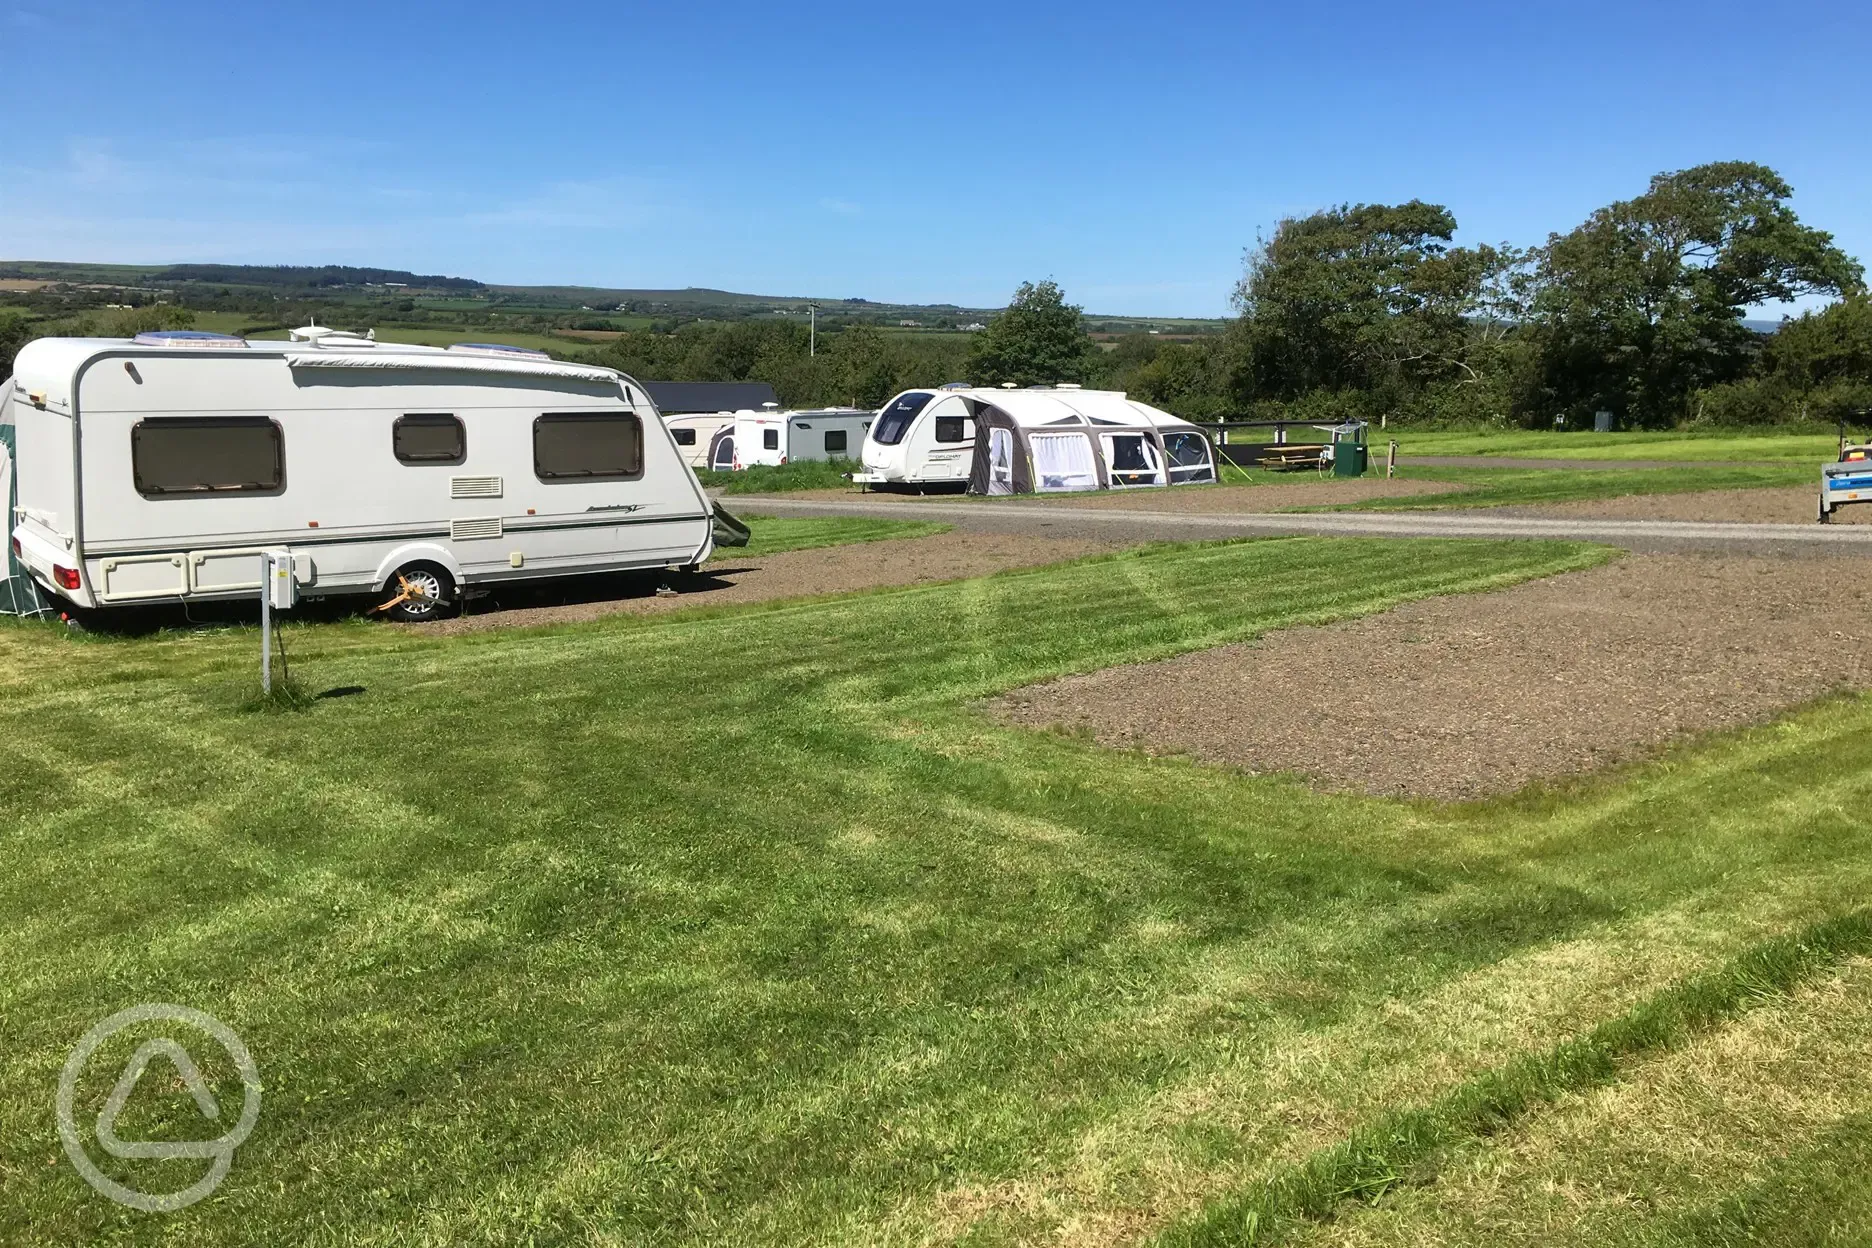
[429,438]
[895,420]
[950,428]
[1186,450]
[207,455]
[770,439]
[835,441]
[684,437]
[1128,454]
[587,446]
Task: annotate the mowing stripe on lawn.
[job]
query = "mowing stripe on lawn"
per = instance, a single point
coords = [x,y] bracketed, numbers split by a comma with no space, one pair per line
[1401,1146]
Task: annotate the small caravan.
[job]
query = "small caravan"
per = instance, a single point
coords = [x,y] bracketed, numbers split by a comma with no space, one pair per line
[698,436]
[160,469]
[1045,439]
[770,437]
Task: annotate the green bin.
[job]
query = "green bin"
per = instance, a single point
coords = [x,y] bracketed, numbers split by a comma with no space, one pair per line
[1348,455]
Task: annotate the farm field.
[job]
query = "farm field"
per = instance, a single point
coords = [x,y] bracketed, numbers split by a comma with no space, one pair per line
[518,962]
[442,336]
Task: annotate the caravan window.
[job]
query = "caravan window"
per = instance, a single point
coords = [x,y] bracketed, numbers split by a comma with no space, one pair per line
[835,441]
[684,437]
[207,455]
[1189,457]
[1132,459]
[895,422]
[770,439]
[587,446]
[429,438]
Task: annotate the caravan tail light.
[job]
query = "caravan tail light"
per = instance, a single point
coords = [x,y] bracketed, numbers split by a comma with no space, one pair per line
[66,577]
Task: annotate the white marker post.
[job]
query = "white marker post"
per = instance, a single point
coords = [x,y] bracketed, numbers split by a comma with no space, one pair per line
[276,590]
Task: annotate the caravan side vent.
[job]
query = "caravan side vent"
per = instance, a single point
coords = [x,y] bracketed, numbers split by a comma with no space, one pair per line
[468,530]
[474,487]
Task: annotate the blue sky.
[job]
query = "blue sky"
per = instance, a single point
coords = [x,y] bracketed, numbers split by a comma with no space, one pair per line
[919,153]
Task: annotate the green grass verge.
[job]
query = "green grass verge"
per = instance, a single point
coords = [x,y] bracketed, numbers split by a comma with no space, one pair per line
[1402,1147]
[1818,1197]
[775,534]
[741,927]
[1806,446]
[803,474]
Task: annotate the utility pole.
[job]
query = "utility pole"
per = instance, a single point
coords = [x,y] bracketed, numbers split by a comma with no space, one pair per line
[812,329]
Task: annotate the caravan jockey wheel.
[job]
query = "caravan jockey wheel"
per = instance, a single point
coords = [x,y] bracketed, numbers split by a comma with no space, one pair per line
[427,592]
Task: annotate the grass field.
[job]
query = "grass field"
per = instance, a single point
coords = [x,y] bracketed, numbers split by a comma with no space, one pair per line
[741,927]
[1504,487]
[1808,446]
[772,535]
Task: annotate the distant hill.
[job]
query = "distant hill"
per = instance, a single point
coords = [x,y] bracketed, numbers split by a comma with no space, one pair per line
[250,286]
[307,277]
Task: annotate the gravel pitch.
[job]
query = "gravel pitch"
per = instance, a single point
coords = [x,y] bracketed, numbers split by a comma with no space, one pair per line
[1305,490]
[1480,694]
[729,581]
[1776,505]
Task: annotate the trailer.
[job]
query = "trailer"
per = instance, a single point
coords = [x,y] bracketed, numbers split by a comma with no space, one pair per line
[158,469]
[1847,480]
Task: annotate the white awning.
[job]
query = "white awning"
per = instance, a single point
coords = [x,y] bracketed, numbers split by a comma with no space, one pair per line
[444,361]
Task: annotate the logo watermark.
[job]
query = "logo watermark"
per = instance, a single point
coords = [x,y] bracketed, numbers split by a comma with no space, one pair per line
[220,1150]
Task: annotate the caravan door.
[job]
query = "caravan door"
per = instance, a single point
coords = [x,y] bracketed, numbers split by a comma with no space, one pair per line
[1000,461]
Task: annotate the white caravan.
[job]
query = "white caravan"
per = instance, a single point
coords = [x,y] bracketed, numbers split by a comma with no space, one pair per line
[696,438]
[1041,439]
[159,469]
[769,438]
[921,437]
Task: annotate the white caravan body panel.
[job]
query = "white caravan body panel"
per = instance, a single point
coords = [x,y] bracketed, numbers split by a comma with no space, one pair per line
[356,494]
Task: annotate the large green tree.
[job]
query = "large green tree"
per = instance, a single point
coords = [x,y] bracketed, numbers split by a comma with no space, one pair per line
[1038,339]
[1642,304]
[1361,298]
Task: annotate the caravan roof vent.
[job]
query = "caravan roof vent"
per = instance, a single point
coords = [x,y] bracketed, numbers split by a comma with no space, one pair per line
[186,338]
[499,348]
[326,336]
[955,385]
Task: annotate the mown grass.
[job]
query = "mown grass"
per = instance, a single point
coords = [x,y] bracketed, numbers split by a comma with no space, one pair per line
[772,535]
[740,927]
[1509,487]
[1803,446]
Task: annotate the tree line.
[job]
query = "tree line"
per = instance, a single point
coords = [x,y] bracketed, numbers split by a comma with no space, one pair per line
[1372,311]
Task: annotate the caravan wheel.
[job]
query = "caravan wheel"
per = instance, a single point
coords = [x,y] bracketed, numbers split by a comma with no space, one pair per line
[437,588]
